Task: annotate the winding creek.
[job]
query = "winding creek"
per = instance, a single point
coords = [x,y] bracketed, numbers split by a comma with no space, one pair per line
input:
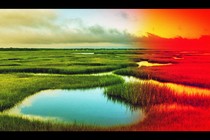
[90,106]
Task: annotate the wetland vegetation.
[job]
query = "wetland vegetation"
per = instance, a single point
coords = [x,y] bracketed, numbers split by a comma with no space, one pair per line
[25,72]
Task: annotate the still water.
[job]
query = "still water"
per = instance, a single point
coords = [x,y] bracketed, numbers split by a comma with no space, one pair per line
[86,106]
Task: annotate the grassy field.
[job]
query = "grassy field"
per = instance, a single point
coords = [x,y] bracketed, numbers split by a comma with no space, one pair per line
[24,72]
[63,61]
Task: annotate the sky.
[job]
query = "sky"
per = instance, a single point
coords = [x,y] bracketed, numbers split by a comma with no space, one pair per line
[168,23]
[60,28]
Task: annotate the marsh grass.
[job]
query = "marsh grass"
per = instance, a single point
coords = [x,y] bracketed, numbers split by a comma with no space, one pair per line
[173,74]
[15,87]
[175,117]
[140,73]
[148,94]
[63,61]
[20,123]
[14,123]
[59,70]
[17,84]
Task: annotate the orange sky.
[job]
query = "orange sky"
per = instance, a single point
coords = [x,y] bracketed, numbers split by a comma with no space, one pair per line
[188,23]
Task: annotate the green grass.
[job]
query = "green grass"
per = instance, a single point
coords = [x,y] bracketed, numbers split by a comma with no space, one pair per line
[146,94]
[60,70]
[136,72]
[15,87]
[19,123]
[13,123]
[137,93]
[63,61]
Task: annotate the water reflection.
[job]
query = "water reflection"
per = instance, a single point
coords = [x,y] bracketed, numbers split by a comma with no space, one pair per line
[123,102]
[88,106]
[178,88]
[148,64]
[83,53]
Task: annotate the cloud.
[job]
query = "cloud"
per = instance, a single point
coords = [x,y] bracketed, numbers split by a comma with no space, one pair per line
[44,27]
[13,18]
[124,15]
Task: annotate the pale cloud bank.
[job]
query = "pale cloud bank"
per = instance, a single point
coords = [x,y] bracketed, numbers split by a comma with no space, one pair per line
[44,27]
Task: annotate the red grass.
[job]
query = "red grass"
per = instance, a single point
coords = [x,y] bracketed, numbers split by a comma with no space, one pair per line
[191,70]
[184,118]
[194,75]
[188,113]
